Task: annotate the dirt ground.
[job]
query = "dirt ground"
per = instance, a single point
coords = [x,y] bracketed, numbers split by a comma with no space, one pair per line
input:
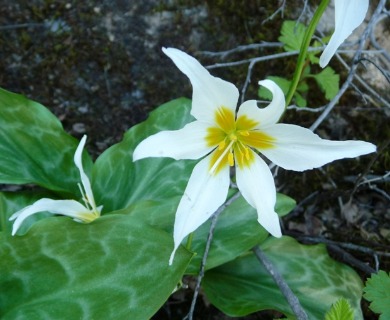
[99,67]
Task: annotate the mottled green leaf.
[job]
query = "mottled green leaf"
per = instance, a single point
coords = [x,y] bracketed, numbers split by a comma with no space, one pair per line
[243,286]
[377,291]
[237,229]
[340,310]
[114,268]
[10,202]
[328,81]
[34,147]
[118,182]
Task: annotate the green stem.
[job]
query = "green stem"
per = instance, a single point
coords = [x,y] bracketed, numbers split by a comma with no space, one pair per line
[303,51]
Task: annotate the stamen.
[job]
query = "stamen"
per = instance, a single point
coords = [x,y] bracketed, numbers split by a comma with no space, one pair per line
[232,137]
[221,157]
[84,197]
[247,156]
[244,133]
[231,159]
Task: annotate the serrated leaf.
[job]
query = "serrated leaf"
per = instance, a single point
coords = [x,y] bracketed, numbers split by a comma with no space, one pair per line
[340,310]
[377,291]
[292,34]
[328,81]
[119,182]
[114,268]
[243,286]
[34,147]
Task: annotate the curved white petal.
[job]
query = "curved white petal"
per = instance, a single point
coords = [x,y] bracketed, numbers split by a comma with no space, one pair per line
[209,93]
[269,114]
[299,149]
[70,208]
[186,143]
[349,14]
[84,178]
[257,186]
[204,194]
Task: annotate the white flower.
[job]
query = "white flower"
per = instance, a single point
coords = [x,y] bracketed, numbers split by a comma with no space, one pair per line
[224,138]
[71,208]
[349,14]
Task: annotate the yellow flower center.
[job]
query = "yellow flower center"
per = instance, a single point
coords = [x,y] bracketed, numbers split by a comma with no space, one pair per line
[235,139]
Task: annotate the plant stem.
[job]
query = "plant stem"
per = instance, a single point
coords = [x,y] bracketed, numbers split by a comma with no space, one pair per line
[303,51]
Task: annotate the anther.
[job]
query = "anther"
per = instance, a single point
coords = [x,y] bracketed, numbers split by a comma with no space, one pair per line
[244,133]
[231,159]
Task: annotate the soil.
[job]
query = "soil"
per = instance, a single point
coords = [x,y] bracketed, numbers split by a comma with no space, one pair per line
[99,67]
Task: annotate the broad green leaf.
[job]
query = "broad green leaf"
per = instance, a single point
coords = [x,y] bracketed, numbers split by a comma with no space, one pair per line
[10,202]
[328,81]
[237,229]
[292,35]
[341,310]
[34,147]
[243,286]
[118,182]
[377,291]
[114,268]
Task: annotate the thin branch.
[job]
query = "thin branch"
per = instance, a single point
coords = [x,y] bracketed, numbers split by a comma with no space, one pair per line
[253,46]
[346,245]
[351,260]
[283,286]
[214,218]
[280,9]
[21,26]
[305,8]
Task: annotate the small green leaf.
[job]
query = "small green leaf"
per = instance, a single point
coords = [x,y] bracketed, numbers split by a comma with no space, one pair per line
[300,100]
[292,35]
[377,291]
[34,147]
[340,310]
[119,182]
[328,81]
[114,268]
[243,286]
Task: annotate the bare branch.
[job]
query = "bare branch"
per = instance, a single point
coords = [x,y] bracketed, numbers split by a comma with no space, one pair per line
[283,286]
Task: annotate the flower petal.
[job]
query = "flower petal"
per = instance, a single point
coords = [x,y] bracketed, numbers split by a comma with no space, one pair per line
[204,194]
[84,178]
[209,93]
[187,143]
[297,148]
[271,113]
[349,14]
[70,208]
[257,186]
